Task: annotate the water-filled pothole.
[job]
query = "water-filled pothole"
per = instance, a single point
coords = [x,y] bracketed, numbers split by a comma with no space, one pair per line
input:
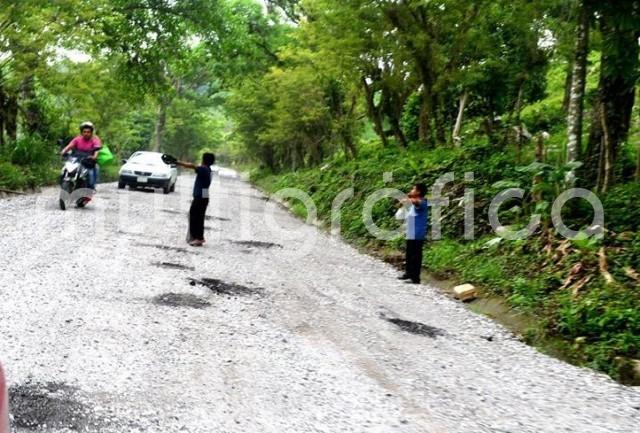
[417,328]
[223,288]
[52,405]
[181,300]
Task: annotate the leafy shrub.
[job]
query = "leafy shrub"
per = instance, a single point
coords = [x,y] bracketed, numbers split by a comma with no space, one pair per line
[622,197]
[442,257]
[609,318]
[11,177]
[32,150]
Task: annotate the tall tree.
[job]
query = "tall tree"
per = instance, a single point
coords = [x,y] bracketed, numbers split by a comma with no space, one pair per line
[577,86]
[620,28]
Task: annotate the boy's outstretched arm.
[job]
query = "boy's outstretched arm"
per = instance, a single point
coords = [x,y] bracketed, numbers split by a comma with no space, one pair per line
[186,165]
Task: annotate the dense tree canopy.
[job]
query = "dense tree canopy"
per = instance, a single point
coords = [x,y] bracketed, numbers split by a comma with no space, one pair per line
[288,83]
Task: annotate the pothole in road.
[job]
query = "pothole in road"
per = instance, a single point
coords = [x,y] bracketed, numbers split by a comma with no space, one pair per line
[128,233]
[181,300]
[173,212]
[216,218]
[417,328]
[178,266]
[207,217]
[223,288]
[166,248]
[257,244]
[37,406]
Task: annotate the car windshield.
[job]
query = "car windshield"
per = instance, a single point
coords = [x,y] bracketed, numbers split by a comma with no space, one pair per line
[147,158]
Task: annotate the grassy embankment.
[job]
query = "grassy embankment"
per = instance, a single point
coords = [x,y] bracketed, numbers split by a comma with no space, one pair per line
[591,316]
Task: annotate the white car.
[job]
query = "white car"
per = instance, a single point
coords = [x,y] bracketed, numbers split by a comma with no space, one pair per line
[147,170]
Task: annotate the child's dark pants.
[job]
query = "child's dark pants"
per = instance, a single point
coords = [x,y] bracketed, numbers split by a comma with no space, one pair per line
[414,259]
[197,216]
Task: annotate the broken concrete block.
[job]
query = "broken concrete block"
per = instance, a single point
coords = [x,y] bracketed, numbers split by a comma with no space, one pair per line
[465,292]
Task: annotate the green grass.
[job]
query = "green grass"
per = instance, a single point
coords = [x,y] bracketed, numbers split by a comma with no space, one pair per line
[19,177]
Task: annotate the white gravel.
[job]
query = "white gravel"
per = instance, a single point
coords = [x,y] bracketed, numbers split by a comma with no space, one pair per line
[313,353]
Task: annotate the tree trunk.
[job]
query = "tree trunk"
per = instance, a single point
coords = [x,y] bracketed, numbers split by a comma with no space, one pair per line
[440,120]
[607,152]
[374,112]
[350,150]
[577,90]
[616,96]
[458,127]
[11,117]
[638,161]
[540,154]
[425,129]
[567,86]
[638,155]
[518,109]
[397,132]
[424,59]
[537,196]
[349,139]
[3,104]
[268,157]
[161,123]
[33,119]
[391,105]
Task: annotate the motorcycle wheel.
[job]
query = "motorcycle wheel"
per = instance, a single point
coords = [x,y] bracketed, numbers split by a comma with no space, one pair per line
[68,187]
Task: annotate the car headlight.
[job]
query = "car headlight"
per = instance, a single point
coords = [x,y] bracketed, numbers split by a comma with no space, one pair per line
[163,175]
[126,172]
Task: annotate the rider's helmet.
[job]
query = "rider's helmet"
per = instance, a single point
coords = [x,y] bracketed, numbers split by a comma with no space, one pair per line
[87,125]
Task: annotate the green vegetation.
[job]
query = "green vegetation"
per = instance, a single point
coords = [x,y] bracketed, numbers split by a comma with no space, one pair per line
[330,94]
[148,73]
[555,280]
[538,95]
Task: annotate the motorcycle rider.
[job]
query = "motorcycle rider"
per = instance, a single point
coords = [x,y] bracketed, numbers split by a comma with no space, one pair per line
[86,144]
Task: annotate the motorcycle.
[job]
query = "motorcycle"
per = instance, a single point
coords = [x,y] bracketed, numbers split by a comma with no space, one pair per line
[74,181]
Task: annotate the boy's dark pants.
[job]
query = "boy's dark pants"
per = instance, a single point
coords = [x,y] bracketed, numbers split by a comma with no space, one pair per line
[196,217]
[414,259]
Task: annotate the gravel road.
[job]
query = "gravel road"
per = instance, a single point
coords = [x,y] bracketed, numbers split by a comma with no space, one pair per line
[108,323]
